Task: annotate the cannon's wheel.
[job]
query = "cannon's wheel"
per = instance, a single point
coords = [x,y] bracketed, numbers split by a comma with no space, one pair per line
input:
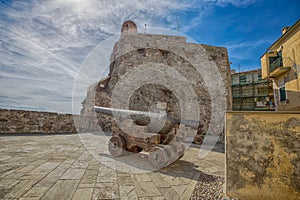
[158,157]
[179,149]
[181,153]
[116,146]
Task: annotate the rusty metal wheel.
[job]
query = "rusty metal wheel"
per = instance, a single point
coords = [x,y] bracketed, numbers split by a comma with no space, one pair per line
[117,146]
[158,157]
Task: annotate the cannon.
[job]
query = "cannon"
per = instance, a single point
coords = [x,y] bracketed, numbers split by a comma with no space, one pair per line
[155,132]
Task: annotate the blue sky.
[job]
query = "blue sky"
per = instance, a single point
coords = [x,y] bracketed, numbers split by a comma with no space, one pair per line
[43,43]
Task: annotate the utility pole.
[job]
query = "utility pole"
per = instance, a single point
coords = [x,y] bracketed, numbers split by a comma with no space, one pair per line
[177,20]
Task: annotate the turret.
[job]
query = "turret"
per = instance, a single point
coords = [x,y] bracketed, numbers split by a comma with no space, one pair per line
[129,27]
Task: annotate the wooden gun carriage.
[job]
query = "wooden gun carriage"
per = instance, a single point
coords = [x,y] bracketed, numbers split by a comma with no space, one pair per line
[165,144]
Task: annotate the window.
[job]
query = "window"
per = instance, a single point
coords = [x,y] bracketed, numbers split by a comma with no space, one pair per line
[249,78]
[279,53]
[261,89]
[282,93]
[259,77]
[234,79]
[243,79]
[272,59]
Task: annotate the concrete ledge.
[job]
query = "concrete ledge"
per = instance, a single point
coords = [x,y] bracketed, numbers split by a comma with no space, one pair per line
[263,112]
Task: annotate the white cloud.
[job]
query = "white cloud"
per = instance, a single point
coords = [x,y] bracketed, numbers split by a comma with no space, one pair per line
[44,42]
[247,44]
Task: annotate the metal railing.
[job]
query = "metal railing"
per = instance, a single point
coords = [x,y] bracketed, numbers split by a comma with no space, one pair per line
[281,62]
[275,64]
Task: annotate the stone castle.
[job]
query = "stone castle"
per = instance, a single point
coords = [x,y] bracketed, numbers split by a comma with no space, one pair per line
[139,49]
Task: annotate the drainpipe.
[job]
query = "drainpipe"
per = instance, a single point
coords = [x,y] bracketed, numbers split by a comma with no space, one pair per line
[297,72]
[274,93]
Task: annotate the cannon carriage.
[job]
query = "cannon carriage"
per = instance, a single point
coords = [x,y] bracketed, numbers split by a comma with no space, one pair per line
[163,137]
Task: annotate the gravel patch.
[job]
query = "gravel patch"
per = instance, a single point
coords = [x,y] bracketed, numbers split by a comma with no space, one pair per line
[209,187]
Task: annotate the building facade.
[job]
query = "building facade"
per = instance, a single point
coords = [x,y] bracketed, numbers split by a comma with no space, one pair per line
[251,92]
[281,64]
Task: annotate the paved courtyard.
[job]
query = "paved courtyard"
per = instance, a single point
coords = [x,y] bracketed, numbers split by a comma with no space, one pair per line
[73,167]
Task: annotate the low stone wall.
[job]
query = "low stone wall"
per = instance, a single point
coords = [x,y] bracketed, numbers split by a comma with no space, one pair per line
[263,155]
[23,121]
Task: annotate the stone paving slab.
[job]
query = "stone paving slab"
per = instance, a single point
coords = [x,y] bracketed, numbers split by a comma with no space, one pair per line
[61,167]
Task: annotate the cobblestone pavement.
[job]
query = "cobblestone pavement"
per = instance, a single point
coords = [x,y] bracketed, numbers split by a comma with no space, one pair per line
[61,167]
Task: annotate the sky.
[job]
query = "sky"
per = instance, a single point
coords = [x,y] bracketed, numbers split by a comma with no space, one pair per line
[44,42]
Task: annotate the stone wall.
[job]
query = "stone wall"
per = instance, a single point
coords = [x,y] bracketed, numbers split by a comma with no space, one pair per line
[24,121]
[263,155]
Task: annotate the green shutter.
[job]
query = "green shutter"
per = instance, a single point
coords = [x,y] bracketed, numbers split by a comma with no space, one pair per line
[282,94]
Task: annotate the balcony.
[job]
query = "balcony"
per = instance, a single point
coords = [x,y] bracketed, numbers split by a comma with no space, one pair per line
[280,66]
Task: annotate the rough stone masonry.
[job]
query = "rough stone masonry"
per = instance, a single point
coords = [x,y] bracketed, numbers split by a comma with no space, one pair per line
[169,54]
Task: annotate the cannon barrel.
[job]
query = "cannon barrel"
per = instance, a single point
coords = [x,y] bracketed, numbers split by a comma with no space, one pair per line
[122,113]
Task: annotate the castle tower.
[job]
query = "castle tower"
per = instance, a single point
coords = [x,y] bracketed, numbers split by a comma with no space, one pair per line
[129,27]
